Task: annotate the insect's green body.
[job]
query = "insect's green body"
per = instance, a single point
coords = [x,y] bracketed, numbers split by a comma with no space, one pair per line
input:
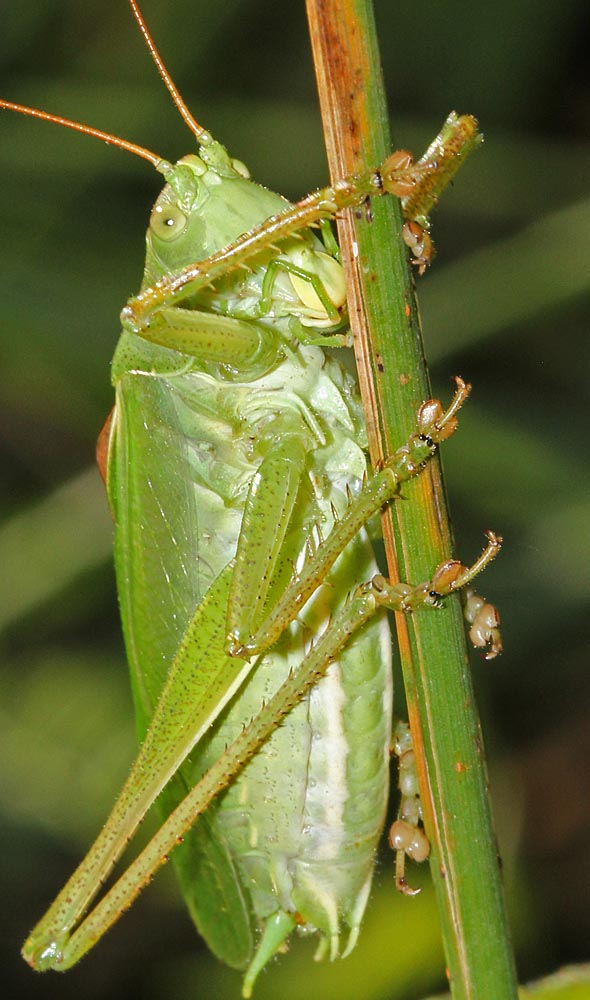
[293,839]
[253,615]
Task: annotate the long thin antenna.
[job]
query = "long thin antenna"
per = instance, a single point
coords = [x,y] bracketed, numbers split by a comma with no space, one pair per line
[202,135]
[112,140]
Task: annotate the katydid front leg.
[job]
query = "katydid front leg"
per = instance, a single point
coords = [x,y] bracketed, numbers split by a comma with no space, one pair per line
[417,185]
[57,942]
[151,307]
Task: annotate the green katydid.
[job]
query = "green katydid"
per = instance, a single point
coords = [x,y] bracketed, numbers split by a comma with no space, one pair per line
[236,473]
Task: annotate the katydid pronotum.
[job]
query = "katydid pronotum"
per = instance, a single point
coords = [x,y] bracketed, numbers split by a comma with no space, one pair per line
[253,612]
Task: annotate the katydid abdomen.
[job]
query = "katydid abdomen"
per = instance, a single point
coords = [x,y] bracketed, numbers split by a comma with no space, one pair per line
[296,833]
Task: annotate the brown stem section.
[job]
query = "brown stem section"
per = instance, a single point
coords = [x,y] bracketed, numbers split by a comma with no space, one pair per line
[394,381]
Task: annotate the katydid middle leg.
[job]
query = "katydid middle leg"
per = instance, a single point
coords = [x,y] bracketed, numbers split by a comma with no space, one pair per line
[433,426]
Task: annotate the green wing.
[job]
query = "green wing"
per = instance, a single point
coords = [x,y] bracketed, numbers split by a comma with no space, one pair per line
[161,580]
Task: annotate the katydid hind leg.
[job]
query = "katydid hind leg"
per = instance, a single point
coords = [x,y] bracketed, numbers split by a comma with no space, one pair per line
[189,702]
[362,606]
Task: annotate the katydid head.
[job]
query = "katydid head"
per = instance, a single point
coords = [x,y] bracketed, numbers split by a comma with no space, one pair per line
[207,202]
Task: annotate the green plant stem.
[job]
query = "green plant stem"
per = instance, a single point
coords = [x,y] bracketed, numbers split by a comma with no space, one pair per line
[390,357]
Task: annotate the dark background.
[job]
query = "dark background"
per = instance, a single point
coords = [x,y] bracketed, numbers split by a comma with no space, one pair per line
[503,305]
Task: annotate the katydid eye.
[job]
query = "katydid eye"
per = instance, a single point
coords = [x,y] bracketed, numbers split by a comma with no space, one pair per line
[167,222]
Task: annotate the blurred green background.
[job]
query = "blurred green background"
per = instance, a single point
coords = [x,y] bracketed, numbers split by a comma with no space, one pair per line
[504,305]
